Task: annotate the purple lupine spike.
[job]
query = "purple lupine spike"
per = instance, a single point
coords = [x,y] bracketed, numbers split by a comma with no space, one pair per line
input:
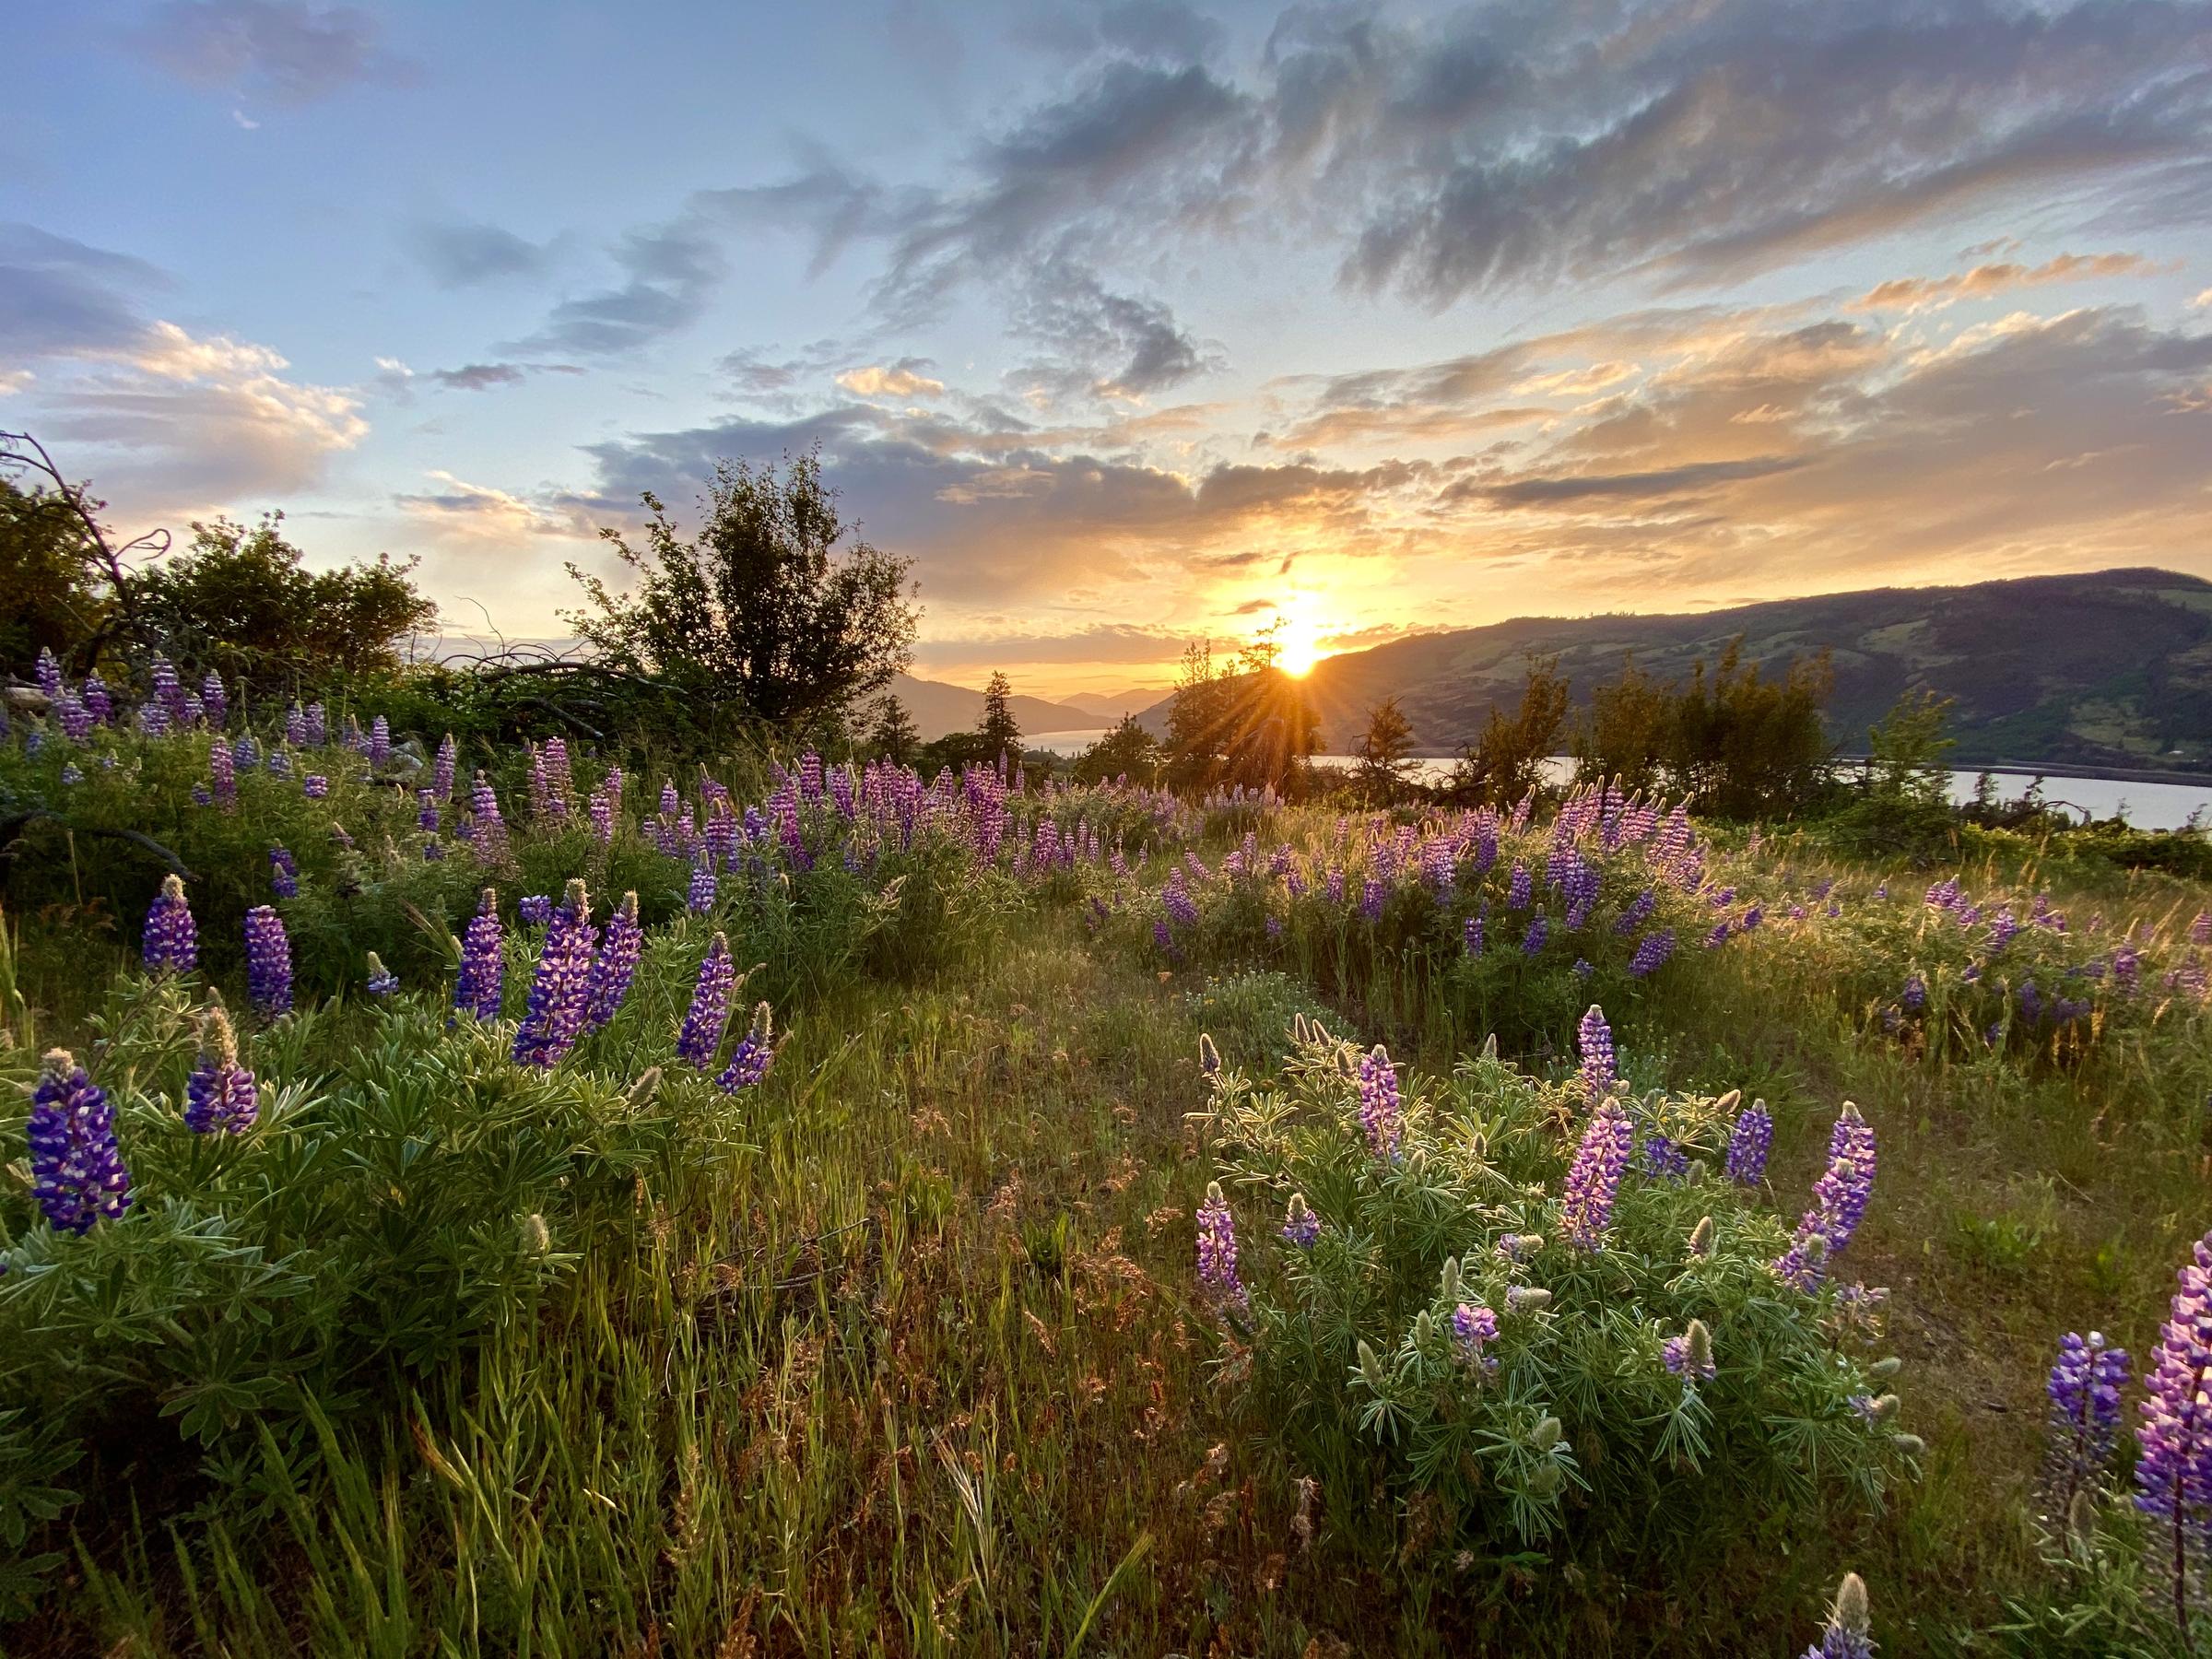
[169,692]
[284,873]
[490,827]
[601,808]
[1218,1250]
[1839,1203]
[483,961]
[268,962]
[702,1035]
[1748,1142]
[1371,896]
[315,786]
[223,770]
[2200,930]
[48,672]
[381,980]
[1539,930]
[1593,1039]
[172,943]
[220,1097]
[99,702]
[756,1051]
[1474,1326]
[1690,1356]
[615,964]
[699,899]
[1379,1113]
[533,909]
[77,1170]
[425,816]
[1518,888]
[317,724]
[72,717]
[1301,1227]
[295,726]
[2084,1390]
[561,986]
[215,699]
[379,743]
[1471,935]
[1652,952]
[442,768]
[1847,1635]
[2173,1476]
[1663,1158]
[1594,1179]
[245,753]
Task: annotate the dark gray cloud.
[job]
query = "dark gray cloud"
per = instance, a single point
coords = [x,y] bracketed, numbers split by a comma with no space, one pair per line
[1659,483]
[1103,343]
[461,256]
[483,377]
[672,270]
[61,298]
[286,51]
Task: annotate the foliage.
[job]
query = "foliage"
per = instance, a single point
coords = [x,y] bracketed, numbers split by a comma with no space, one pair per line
[1545,1425]
[1903,803]
[1127,750]
[759,614]
[1507,760]
[1627,737]
[1250,727]
[1001,734]
[892,734]
[49,600]
[1388,740]
[239,602]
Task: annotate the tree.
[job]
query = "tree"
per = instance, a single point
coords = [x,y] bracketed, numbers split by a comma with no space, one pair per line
[1127,750]
[1382,751]
[48,599]
[998,729]
[1628,731]
[1904,807]
[1507,760]
[761,611]
[1197,721]
[1748,747]
[892,734]
[242,602]
[60,517]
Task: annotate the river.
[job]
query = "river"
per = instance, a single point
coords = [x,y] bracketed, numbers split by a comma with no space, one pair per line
[2146,805]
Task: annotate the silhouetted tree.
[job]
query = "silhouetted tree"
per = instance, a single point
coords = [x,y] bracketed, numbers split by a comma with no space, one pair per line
[1383,750]
[1745,746]
[892,734]
[998,729]
[1507,760]
[1128,749]
[1628,733]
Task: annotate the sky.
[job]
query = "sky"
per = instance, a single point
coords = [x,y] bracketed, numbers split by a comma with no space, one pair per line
[1132,321]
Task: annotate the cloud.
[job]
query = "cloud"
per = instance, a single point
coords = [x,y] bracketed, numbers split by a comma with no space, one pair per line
[1688,478]
[61,298]
[466,254]
[477,512]
[286,51]
[671,271]
[1103,344]
[902,378]
[1920,293]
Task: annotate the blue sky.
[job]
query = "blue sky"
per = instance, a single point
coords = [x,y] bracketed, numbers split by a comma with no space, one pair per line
[1129,320]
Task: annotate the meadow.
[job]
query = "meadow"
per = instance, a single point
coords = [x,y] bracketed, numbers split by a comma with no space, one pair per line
[517,1202]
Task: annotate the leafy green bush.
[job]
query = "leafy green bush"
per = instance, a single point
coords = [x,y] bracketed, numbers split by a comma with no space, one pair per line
[1442,1344]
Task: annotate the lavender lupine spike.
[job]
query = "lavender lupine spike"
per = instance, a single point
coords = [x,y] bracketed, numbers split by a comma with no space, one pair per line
[1474,1326]
[381,982]
[756,1051]
[220,1097]
[1839,1203]
[2084,1390]
[442,768]
[702,1035]
[268,962]
[560,988]
[1748,1142]
[224,771]
[284,873]
[48,672]
[1217,1249]
[616,965]
[317,725]
[215,699]
[295,726]
[77,1170]
[379,743]
[490,829]
[2173,1476]
[699,898]
[1690,1356]
[1379,1106]
[483,962]
[1594,1179]
[1652,952]
[1539,930]
[315,786]
[172,941]
[1593,1037]
[1301,1227]
[1848,1633]
[533,909]
[99,702]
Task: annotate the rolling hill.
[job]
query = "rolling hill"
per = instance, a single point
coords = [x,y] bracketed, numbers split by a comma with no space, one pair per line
[2108,669]
[938,708]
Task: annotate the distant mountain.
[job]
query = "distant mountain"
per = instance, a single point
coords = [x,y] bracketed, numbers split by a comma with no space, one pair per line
[2108,669]
[1106,707]
[938,708]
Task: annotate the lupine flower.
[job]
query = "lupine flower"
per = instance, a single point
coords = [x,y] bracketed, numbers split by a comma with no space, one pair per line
[490,829]
[317,726]
[268,962]
[1519,1247]
[1690,1356]
[72,717]
[73,773]
[223,771]
[99,702]
[77,1170]
[1210,1057]
[280,763]
[1718,936]
[215,701]
[701,1033]
[295,726]
[1593,1037]
[749,1061]
[1371,896]
[1846,1636]
[1652,952]
[1914,997]
[1663,1156]
[2173,1476]
[1472,1327]
[315,786]
[483,964]
[381,981]
[1379,1105]
[1471,935]
[201,794]
[1539,929]
[700,900]
[1839,1202]
[615,964]
[2200,930]
[379,742]
[48,672]
[169,692]
[2084,1390]
[1593,1179]
[1517,889]
[153,719]
[284,873]
[1747,1144]
[1217,1249]
[219,1097]
[1301,1227]
[442,768]
[172,943]
[561,986]
[533,909]
[601,808]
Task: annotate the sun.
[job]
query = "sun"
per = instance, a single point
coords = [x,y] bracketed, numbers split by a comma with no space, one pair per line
[1298,639]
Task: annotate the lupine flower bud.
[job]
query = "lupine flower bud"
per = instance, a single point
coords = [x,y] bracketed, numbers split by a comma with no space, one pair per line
[538,1239]
[646,1088]
[1690,1356]
[1545,1434]
[1846,1636]
[1301,1227]
[1700,1237]
[483,965]
[1209,1057]
[1370,1368]
[268,962]
[381,981]
[220,1095]
[1526,1299]
[749,1061]
[77,1170]
[172,943]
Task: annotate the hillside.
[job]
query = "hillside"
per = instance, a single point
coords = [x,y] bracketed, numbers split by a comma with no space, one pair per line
[2108,669]
[938,708]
